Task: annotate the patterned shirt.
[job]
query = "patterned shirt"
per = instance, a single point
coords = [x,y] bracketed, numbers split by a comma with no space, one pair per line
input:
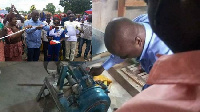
[87,28]
[33,38]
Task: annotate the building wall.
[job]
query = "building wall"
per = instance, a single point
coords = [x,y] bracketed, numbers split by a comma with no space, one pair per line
[104,11]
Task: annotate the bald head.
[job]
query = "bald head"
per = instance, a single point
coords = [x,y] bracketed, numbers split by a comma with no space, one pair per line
[121,33]
[35,15]
[176,23]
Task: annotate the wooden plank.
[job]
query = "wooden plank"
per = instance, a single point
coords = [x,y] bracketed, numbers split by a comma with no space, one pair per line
[130,3]
[133,77]
[121,8]
[123,82]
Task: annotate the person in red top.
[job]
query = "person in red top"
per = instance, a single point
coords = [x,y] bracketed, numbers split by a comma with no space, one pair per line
[176,77]
[13,44]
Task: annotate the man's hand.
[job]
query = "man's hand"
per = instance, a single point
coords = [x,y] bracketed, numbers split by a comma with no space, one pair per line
[95,71]
[27,27]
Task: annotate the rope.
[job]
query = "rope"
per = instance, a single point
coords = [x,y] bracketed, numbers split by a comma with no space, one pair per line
[21,31]
[13,33]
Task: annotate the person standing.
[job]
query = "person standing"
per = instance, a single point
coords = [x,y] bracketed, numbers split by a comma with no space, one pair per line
[56,34]
[70,43]
[45,40]
[13,44]
[33,38]
[87,38]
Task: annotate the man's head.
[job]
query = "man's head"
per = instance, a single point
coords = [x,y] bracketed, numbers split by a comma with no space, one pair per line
[124,38]
[48,17]
[176,23]
[69,12]
[42,16]
[35,15]
[71,17]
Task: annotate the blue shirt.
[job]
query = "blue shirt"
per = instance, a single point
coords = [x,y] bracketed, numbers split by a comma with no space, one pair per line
[152,46]
[33,38]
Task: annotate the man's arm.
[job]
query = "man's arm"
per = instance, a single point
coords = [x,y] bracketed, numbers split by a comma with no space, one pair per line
[31,30]
[62,21]
[65,25]
[113,60]
[19,16]
[45,27]
[62,36]
[78,26]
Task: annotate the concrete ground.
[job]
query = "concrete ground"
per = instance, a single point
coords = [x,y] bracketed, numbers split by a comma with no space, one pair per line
[15,98]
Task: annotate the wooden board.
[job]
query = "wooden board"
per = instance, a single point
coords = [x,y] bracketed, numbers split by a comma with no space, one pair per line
[132,72]
[121,8]
[123,82]
[132,3]
[122,4]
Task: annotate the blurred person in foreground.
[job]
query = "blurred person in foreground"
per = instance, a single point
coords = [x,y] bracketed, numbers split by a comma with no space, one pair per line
[175,78]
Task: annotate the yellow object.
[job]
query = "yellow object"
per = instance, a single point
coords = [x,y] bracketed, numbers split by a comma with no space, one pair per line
[103,79]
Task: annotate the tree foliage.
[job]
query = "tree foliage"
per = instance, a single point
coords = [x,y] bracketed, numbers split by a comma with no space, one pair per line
[50,8]
[44,9]
[7,9]
[32,8]
[76,6]
[58,12]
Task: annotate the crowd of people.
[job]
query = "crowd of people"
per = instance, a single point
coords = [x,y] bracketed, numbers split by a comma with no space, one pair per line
[57,36]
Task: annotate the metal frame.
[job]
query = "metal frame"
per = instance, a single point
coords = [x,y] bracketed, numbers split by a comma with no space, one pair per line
[53,93]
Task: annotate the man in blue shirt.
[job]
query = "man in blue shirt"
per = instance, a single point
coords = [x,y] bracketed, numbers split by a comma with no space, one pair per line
[131,39]
[33,38]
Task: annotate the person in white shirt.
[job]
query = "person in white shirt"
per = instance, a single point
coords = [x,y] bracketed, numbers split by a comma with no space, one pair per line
[71,39]
[44,37]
